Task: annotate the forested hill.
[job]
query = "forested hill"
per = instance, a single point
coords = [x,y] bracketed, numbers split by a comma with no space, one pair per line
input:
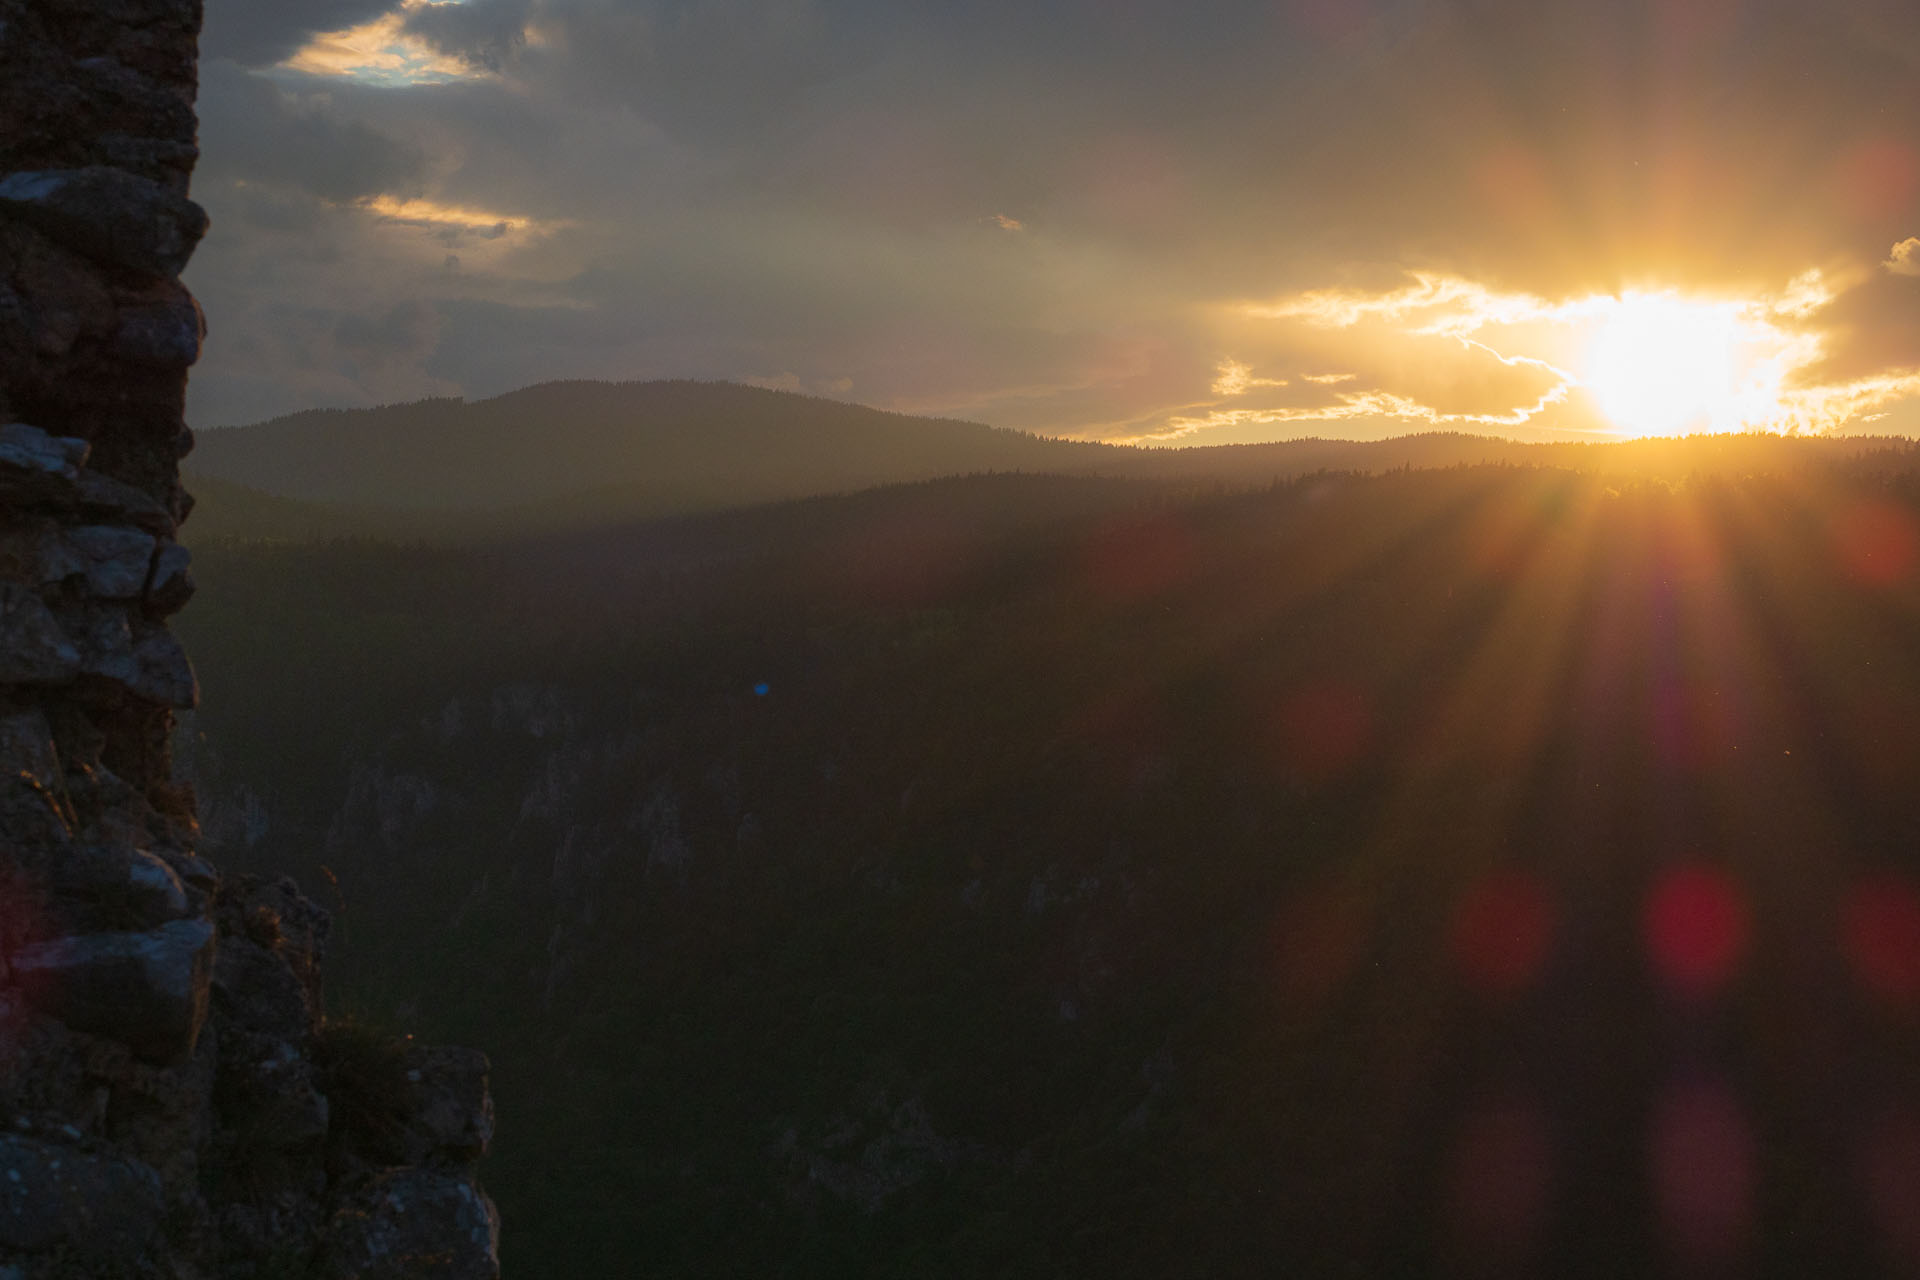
[647,448]
[570,455]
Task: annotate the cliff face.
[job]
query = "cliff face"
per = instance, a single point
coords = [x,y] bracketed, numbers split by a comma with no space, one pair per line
[173,1101]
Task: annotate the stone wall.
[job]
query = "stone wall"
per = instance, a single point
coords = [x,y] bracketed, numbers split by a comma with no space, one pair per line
[173,1101]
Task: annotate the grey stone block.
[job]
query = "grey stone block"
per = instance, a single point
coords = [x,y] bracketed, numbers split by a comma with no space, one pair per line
[146,990]
[105,1211]
[109,215]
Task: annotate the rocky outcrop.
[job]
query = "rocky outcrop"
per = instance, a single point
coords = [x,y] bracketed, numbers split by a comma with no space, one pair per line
[174,1101]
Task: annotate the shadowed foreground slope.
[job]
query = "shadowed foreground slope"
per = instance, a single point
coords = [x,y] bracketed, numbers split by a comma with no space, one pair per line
[1485,871]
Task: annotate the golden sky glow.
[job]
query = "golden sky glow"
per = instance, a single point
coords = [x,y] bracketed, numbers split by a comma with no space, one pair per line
[429,213]
[380,52]
[1646,361]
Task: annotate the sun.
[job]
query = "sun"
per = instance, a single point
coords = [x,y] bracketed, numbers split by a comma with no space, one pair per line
[1661,365]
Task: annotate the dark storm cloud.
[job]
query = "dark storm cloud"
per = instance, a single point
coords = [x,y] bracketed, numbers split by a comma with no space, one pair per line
[259,33]
[484,33]
[255,131]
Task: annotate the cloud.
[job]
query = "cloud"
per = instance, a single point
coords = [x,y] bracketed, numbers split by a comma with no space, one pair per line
[260,33]
[481,33]
[383,51]
[1231,378]
[256,131]
[1869,331]
[1904,260]
[450,221]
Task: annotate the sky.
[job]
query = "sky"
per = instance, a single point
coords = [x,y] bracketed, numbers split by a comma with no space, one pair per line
[1173,223]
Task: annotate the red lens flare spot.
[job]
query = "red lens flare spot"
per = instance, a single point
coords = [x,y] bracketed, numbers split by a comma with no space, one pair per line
[1322,730]
[1875,542]
[1500,1182]
[1890,1167]
[1502,932]
[1696,929]
[1880,929]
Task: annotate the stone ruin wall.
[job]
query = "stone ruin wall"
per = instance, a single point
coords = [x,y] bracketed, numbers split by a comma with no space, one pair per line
[172,1101]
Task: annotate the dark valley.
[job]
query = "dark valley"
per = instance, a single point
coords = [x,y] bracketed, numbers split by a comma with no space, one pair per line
[1046,875]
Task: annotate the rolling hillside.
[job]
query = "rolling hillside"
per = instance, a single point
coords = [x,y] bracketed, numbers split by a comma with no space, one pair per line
[650,448]
[566,456]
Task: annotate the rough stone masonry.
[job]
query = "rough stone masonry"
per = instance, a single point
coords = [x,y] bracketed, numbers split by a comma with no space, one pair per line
[173,1103]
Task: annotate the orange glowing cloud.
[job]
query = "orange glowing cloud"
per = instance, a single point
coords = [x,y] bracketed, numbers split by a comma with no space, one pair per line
[382,51]
[1439,350]
[429,213]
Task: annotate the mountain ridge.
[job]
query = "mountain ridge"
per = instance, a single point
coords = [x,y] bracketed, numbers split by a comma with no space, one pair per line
[684,444]
[562,456]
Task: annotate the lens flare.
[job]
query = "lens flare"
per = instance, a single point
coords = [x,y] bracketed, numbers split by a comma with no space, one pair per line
[1696,928]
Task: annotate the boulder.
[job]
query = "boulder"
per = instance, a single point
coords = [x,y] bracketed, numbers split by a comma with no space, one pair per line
[33,649]
[104,1211]
[413,1224]
[39,825]
[146,990]
[117,501]
[452,1106]
[267,1091]
[63,297]
[26,745]
[154,892]
[172,583]
[26,448]
[111,216]
[115,560]
[141,657]
[119,887]
[164,331]
[276,915]
[256,988]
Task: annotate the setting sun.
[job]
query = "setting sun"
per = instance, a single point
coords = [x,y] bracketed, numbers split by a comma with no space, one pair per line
[1660,365]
